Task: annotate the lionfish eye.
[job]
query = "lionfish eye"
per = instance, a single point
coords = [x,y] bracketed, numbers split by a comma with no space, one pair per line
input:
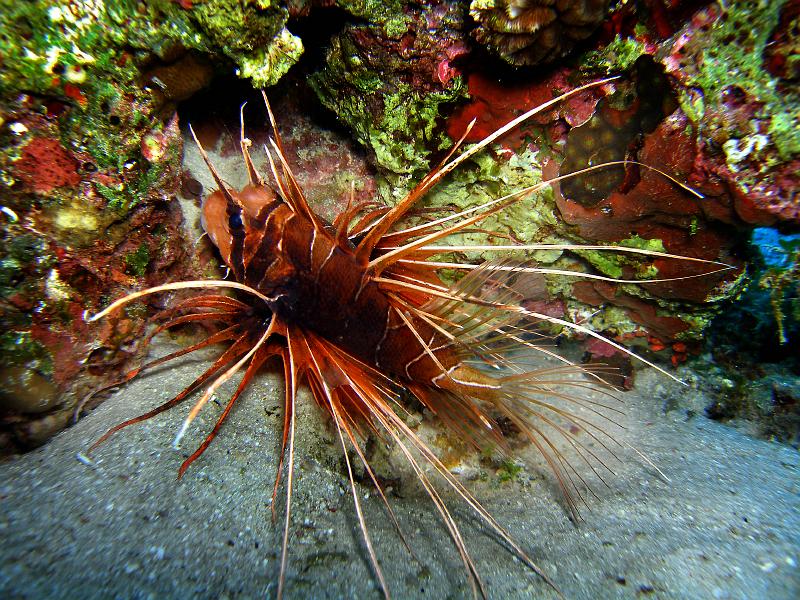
[235,221]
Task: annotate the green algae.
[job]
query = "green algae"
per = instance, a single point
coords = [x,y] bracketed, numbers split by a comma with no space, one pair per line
[63,37]
[616,57]
[509,471]
[604,262]
[138,260]
[388,87]
[612,264]
[728,54]
[640,243]
[19,349]
[402,133]
[485,178]
[266,66]
[387,14]
[91,55]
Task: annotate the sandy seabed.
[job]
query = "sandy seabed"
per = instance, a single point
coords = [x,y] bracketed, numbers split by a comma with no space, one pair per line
[726,525]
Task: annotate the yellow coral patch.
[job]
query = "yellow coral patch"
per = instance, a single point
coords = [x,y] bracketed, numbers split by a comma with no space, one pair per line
[69,218]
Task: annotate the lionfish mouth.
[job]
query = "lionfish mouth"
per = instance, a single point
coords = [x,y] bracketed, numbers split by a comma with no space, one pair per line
[358,312]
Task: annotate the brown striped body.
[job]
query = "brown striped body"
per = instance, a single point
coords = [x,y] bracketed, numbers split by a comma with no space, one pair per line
[320,286]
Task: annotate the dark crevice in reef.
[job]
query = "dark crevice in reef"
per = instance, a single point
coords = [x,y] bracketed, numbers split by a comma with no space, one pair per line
[221,100]
[753,374]
[745,335]
[316,30]
[292,100]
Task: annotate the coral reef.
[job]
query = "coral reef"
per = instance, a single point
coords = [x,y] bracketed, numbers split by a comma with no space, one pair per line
[714,104]
[730,69]
[736,128]
[529,32]
[627,206]
[90,159]
[740,107]
[388,81]
[90,151]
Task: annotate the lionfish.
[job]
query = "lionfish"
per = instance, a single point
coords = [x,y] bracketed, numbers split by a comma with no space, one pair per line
[357,309]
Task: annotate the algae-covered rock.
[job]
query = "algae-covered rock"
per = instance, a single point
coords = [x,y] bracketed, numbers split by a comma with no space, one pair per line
[740,107]
[388,81]
[716,108]
[731,70]
[614,206]
[101,60]
[90,154]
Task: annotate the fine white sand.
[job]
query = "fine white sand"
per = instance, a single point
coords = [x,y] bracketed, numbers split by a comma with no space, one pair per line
[727,525]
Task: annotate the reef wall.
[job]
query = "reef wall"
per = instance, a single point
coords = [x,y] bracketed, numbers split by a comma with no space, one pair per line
[91,146]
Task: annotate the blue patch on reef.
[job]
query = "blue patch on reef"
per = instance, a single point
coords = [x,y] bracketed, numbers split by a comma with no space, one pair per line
[775,248]
[745,333]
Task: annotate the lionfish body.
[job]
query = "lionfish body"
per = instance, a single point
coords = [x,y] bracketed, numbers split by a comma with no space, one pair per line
[358,311]
[316,281]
